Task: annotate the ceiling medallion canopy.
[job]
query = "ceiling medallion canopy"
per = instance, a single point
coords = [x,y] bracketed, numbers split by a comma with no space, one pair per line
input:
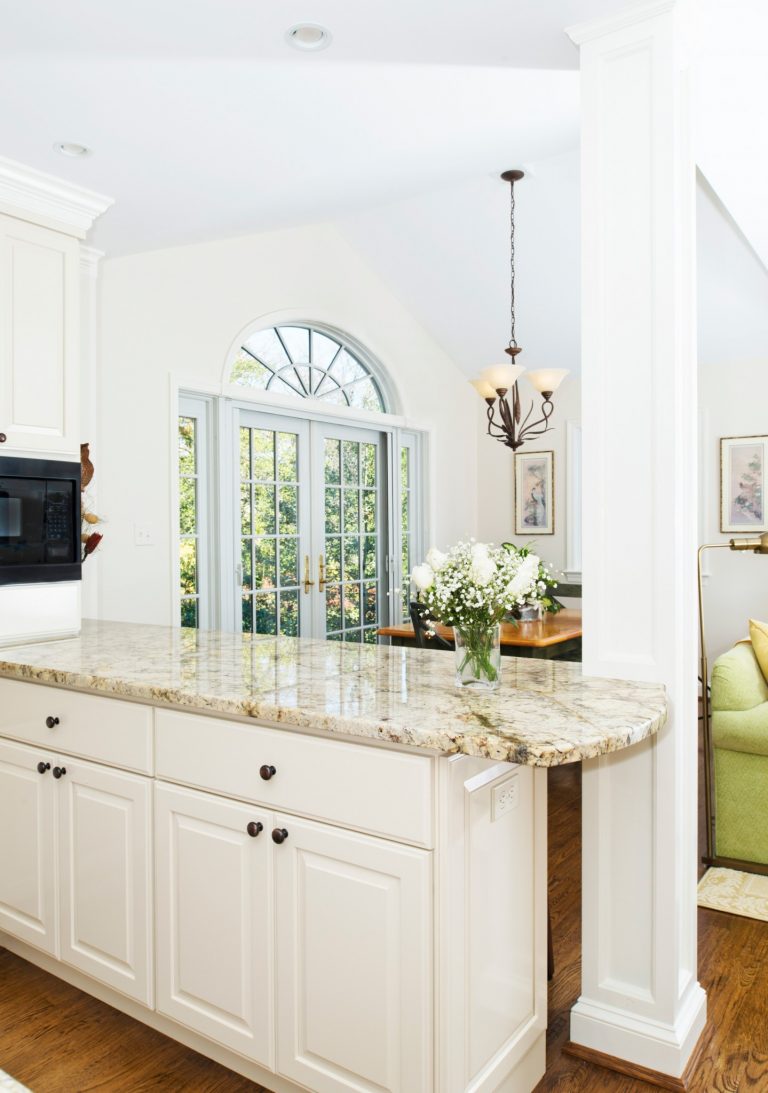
[500,380]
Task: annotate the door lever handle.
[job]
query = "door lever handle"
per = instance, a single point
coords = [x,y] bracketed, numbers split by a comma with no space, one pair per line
[321,575]
[307,582]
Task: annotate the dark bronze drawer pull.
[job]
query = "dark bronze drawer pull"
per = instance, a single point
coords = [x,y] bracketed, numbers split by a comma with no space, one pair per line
[51,722]
[279,835]
[267,772]
[254,828]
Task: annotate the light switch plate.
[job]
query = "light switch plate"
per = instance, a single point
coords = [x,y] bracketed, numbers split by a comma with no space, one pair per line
[142,535]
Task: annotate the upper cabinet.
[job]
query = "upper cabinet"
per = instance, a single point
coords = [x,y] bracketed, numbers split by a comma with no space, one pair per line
[42,220]
[39,339]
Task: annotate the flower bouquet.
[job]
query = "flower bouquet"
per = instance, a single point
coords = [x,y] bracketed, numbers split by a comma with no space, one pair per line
[541,597]
[472,588]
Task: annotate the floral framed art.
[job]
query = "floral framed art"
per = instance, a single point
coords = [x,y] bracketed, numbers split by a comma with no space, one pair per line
[535,493]
[742,483]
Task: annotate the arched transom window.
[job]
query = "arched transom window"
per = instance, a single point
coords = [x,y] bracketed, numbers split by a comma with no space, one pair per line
[308,363]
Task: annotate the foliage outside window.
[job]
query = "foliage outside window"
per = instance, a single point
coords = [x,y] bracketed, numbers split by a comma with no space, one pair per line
[306,363]
[189,535]
[406,527]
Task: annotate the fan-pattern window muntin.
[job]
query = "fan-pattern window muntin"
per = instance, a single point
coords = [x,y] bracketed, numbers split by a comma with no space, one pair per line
[189,553]
[306,363]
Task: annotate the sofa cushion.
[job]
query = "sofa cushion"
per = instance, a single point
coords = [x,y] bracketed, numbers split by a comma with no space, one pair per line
[737,681]
[741,730]
[758,632]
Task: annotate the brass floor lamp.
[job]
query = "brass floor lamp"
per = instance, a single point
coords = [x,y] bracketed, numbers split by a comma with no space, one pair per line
[758,545]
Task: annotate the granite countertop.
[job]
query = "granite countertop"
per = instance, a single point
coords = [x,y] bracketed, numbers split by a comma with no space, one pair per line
[545,713]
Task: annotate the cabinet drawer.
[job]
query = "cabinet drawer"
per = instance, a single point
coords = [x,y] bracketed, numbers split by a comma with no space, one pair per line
[114,732]
[384,792]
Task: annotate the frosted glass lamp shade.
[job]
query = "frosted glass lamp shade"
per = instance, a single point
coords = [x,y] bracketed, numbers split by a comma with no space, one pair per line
[502,377]
[483,389]
[547,379]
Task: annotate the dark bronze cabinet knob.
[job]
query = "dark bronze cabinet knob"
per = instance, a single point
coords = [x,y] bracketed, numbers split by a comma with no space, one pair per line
[279,835]
[59,772]
[3,438]
[43,767]
[267,772]
[254,828]
[51,722]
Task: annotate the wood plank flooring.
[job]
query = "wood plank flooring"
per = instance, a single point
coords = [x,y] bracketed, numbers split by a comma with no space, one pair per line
[55,1039]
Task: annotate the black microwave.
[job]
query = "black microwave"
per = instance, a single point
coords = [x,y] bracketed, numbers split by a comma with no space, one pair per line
[39,520]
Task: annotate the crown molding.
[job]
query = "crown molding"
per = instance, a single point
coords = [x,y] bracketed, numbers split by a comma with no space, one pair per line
[89,261]
[636,13]
[32,195]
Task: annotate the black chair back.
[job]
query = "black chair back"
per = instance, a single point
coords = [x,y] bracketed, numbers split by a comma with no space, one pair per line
[425,637]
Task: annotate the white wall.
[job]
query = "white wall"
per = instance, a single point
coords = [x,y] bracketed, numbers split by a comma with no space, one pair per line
[178,311]
[733,401]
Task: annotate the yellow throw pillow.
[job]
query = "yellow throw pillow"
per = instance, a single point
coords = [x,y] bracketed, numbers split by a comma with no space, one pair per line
[758,632]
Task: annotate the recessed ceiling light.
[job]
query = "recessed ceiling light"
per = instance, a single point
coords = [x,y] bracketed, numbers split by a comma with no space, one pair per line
[67,148]
[308,36]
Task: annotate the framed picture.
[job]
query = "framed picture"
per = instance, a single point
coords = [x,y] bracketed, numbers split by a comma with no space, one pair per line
[742,483]
[535,493]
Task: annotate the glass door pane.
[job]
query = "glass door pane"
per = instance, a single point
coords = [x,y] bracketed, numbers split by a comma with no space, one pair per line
[273,524]
[350,522]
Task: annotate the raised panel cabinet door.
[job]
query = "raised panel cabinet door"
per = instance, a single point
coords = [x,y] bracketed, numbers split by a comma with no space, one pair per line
[105,830]
[215,943]
[39,338]
[354,960]
[27,851]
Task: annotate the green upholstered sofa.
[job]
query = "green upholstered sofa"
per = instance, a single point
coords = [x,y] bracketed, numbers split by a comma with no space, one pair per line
[740,738]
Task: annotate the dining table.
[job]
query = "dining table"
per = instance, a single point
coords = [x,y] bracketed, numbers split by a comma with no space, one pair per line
[553,637]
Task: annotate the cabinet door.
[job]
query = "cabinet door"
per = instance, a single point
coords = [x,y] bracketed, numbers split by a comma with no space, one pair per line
[214,919]
[39,335]
[354,943]
[27,855]
[105,875]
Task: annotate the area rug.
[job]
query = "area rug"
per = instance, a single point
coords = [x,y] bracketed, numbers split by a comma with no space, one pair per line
[9,1085]
[737,893]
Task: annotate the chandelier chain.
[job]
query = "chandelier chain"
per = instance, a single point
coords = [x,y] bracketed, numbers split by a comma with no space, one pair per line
[512,341]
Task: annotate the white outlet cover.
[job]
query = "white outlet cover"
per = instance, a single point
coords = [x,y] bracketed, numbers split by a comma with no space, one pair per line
[505,797]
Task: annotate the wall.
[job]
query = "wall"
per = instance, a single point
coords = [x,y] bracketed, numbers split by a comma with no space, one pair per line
[178,311]
[733,401]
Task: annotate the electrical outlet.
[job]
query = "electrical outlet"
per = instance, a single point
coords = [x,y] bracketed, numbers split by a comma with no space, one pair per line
[505,797]
[142,535]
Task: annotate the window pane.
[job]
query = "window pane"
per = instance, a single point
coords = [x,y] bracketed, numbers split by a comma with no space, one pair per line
[332,511]
[287,457]
[245,509]
[264,564]
[264,510]
[351,511]
[289,613]
[188,566]
[288,510]
[332,461]
[263,455]
[351,605]
[324,349]
[364,396]
[405,479]
[189,612]
[266,612]
[345,368]
[187,445]
[350,451]
[333,559]
[296,340]
[247,614]
[370,614]
[333,607]
[245,453]
[369,556]
[265,345]
[247,372]
[352,558]
[369,510]
[369,464]
[289,562]
[187,506]
[246,562]
[351,635]
[370,637]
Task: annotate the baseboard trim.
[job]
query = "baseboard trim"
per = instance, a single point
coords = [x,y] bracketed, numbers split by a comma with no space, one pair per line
[634,1070]
[737,864]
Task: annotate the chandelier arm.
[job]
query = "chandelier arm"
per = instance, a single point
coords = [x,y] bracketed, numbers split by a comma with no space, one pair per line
[533,429]
[506,418]
[500,433]
[524,422]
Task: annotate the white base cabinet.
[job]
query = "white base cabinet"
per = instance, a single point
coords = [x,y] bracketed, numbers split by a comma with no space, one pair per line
[347,939]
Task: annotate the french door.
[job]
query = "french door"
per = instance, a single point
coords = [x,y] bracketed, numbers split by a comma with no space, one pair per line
[315,542]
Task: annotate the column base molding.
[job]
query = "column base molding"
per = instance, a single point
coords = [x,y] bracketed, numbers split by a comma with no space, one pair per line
[634,1070]
[631,1041]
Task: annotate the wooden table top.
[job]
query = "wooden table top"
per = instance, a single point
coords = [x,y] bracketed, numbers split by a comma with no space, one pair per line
[551,630]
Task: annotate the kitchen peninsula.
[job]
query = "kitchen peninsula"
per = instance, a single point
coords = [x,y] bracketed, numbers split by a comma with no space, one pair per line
[316,862]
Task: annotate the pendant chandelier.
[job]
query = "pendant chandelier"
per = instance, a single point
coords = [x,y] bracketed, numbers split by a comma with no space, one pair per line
[500,381]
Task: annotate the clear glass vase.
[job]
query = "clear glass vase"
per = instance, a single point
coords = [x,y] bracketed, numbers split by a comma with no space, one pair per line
[478,658]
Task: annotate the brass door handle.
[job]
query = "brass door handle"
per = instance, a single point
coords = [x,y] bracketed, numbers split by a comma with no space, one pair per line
[307,582]
[321,575]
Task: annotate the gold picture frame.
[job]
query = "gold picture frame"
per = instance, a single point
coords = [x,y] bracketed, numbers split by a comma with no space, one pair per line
[743,464]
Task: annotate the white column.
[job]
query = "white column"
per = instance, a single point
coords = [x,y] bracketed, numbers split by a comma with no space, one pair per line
[640,997]
[90,405]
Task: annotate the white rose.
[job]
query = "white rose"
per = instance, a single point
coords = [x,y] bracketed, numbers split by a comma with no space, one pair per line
[436,559]
[422,576]
[482,569]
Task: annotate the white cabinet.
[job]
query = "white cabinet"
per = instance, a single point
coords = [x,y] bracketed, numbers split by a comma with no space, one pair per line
[39,339]
[104,833]
[214,919]
[27,851]
[354,943]
[75,864]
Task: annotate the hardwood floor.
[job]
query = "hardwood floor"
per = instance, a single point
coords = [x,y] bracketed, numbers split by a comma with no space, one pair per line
[55,1039]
